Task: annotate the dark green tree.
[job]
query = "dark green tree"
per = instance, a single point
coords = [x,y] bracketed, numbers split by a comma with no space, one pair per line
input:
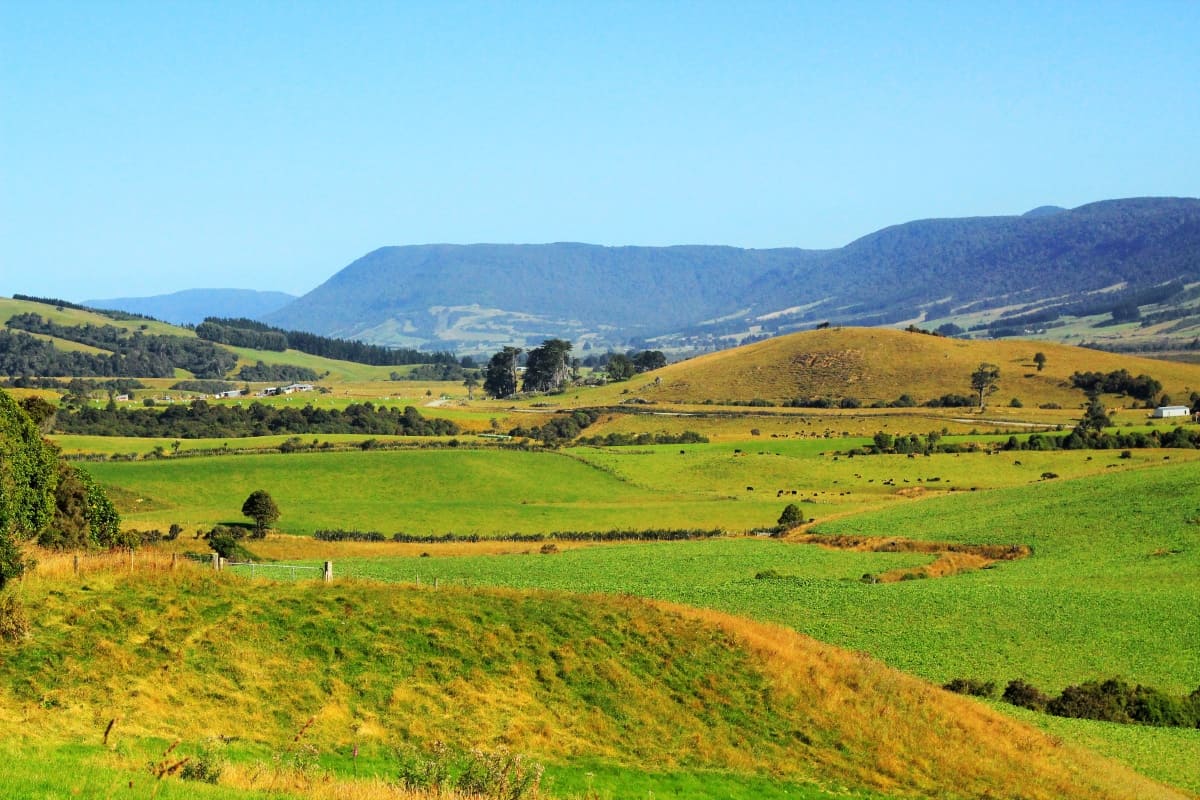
[985,381]
[648,360]
[262,509]
[500,377]
[621,367]
[28,474]
[548,367]
[1095,418]
[470,383]
[1039,358]
[791,516]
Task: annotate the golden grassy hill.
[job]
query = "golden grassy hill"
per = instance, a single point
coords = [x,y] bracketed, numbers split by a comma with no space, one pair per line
[881,364]
[190,654]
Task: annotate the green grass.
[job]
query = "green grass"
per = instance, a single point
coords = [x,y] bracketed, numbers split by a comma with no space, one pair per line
[1165,754]
[492,491]
[1094,599]
[422,492]
[48,769]
[338,370]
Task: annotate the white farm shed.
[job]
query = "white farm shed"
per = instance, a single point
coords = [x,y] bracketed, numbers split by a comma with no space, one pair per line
[1162,412]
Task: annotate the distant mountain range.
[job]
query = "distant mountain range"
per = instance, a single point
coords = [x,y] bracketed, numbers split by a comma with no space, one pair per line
[191,306]
[1119,268]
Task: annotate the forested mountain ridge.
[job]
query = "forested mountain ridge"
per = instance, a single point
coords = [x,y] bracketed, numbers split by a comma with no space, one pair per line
[191,306]
[1132,262]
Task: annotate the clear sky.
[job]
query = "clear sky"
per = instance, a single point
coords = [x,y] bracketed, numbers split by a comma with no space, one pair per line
[152,147]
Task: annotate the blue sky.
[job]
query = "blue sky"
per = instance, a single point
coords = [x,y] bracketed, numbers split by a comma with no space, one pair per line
[152,147]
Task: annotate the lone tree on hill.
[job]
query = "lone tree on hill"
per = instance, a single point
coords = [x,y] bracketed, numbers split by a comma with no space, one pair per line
[985,380]
[791,516]
[1039,358]
[500,377]
[262,509]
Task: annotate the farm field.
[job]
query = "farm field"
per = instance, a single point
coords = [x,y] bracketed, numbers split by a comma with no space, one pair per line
[418,491]
[1109,588]
[1087,603]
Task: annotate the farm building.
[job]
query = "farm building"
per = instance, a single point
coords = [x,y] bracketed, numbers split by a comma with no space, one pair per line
[1163,412]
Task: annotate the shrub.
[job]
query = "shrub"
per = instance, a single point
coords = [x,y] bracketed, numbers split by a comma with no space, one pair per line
[14,625]
[1025,695]
[972,687]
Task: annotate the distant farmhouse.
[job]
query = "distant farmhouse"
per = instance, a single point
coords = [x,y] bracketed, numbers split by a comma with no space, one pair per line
[272,391]
[230,393]
[1165,412]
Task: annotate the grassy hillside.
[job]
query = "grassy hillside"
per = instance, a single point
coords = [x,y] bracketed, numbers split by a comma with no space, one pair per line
[192,656]
[880,364]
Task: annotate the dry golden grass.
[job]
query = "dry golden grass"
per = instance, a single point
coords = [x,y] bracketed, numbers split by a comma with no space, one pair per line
[898,734]
[881,364]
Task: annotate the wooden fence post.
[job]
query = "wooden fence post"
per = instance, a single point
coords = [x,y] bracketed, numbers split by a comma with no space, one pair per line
[216,561]
[328,574]
[173,555]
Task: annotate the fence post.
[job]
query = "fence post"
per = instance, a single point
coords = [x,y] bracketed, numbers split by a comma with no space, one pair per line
[216,561]
[328,575]
[76,567]
[173,555]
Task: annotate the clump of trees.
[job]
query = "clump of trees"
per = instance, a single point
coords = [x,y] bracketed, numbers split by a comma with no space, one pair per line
[1142,387]
[500,375]
[548,367]
[242,332]
[42,497]
[133,354]
[1110,700]
[200,419]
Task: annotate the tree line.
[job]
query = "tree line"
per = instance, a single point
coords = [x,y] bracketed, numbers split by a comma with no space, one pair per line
[202,420]
[242,332]
[550,368]
[134,354]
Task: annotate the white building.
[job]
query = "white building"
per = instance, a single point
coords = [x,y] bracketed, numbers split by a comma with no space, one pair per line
[1163,412]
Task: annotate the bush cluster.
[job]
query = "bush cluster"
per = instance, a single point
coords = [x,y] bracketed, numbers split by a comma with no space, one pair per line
[1111,700]
[621,535]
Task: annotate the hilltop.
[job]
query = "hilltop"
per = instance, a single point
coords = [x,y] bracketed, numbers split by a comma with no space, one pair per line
[880,364]
[1117,261]
[615,681]
[191,306]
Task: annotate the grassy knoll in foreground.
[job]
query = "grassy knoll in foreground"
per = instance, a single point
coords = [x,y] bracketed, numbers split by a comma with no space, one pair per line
[612,685]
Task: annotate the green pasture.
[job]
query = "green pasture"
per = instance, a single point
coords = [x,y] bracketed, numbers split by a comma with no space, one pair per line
[1112,586]
[337,370]
[485,491]
[489,491]
[1169,755]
